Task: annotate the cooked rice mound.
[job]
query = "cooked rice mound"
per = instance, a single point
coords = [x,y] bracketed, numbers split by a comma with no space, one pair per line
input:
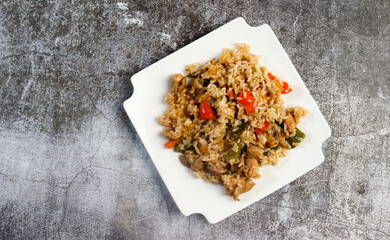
[227,118]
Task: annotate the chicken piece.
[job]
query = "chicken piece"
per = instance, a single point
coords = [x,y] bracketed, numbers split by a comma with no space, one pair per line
[251,168]
[235,185]
[254,152]
[216,168]
[249,184]
[290,123]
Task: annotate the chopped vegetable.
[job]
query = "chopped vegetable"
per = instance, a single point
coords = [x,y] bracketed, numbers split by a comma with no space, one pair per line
[206,82]
[279,124]
[206,112]
[271,76]
[231,94]
[296,139]
[246,98]
[190,148]
[235,154]
[193,75]
[180,147]
[223,57]
[213,69]
[268,150]
[260,130]
[185,132]
[239,129]
[286,88]
[204,97]
[172,143]
[251,108]
[204,149]
[277,84]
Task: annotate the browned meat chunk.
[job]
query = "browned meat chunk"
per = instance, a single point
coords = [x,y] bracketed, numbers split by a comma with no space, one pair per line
[184,160]
[252,168]
[254,152]
[189,159]
[249,184]
[290,123]
[197,164]
[216,168]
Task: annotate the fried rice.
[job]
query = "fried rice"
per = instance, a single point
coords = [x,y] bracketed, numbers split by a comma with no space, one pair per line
[227,118]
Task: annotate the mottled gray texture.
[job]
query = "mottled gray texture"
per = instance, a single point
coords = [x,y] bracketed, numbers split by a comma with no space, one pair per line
[72,166]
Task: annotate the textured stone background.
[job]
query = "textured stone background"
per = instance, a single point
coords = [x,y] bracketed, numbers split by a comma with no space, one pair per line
[72,166]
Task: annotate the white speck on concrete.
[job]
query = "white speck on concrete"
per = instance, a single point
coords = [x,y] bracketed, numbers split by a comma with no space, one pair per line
[285,213]
[296,19]
[56,41]
[167,38]
[26,88]
[132,18]
[122,6]
[9,75]
[380,95]
[134,21]
[331,107]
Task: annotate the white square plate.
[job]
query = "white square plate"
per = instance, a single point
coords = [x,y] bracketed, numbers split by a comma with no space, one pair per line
[151,85]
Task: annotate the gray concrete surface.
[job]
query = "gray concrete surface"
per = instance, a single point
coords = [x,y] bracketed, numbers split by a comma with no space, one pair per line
[72,166]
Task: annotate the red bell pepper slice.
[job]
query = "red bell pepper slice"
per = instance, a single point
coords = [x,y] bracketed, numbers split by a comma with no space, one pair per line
[271,76]
[286,88]
[206,112]
[231,94]
[251,108]
[246,98]
[260,130]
